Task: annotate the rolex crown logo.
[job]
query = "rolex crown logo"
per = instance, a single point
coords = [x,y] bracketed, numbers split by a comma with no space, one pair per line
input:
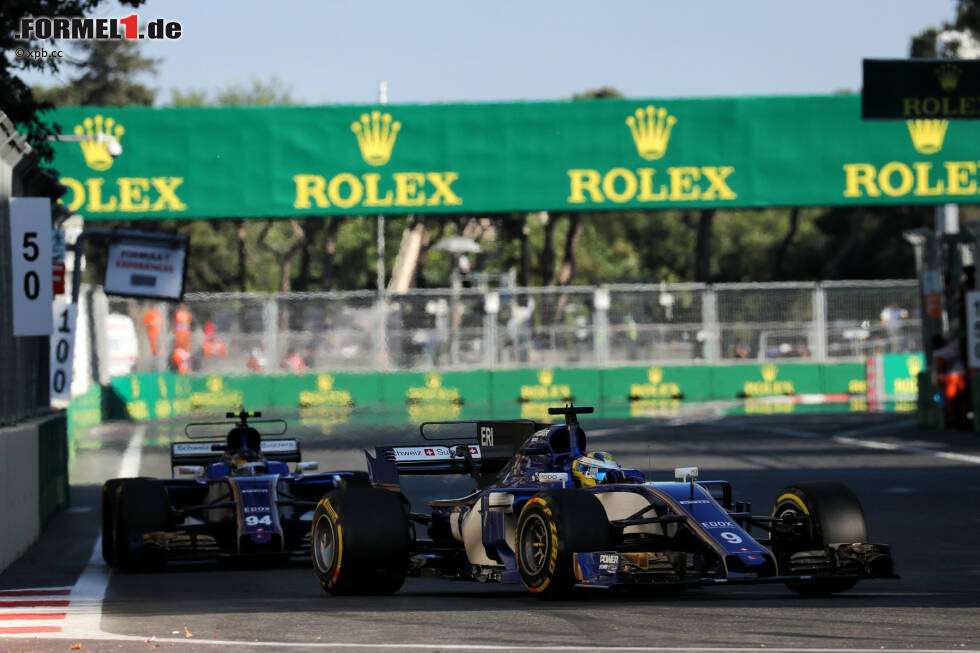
[98,134]
[927,135]
[655,375]
[545,377]
[913,365]
[324,382]
[214,383]
[949,76]
[651,131]
[376,135]
[433,380]
[769,373]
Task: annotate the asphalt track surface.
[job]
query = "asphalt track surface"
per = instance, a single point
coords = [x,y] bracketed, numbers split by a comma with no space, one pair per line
[920,491]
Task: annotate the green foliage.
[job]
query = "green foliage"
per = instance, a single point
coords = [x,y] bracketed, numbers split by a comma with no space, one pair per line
[926,43]
[19,102]
[256,93]
[108,72]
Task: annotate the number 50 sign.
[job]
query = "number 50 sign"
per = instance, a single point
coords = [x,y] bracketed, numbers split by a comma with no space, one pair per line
[30,263]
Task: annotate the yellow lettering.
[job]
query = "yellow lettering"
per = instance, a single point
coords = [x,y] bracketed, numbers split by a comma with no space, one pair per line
[609,185]
[860,174]
[922,188]
[911,106]
[371,196]
[77,193]
[443,194]
[958,177]
[885,179]
[167,187]
[355,188]
[718,185]
[308,186]
[930,106]
[581,181]
[682,183]
[407,189]
[95,204]
[646,187]
[131,191]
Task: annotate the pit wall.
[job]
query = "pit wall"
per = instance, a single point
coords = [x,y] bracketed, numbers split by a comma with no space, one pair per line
[33,481]
[409,397]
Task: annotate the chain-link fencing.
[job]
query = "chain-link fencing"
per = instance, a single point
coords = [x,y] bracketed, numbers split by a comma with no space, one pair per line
[511,327]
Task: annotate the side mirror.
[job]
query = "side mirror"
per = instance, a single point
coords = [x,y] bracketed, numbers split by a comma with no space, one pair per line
[307,466]
[686,474]
[190,470]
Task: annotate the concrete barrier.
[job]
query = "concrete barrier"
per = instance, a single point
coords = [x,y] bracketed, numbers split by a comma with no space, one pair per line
[33,481]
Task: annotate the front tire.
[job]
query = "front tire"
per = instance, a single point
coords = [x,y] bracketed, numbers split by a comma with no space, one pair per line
[141,506]
[360,541]
[553,526]
[835,517]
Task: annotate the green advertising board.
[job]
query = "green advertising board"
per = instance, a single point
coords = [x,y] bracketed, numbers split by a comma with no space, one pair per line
[920,88]
[261,162]
[901,372]
[412,397]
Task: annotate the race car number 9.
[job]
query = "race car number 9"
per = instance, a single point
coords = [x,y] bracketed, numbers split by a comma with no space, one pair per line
[731,538]
[254,520]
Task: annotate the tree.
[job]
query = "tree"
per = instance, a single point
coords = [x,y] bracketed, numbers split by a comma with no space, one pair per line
[108,77]
[947,40]
[19,102]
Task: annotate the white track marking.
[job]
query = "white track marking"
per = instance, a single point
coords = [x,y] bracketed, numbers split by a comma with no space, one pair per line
[249,644]
[85,616]
[844,437]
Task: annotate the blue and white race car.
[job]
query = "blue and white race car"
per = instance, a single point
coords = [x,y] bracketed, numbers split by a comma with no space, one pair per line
[230,497]
[554,516]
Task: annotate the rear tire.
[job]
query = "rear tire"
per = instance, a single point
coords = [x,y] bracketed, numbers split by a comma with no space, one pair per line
[553,526]
[836,517]
[360,541]
[142,507]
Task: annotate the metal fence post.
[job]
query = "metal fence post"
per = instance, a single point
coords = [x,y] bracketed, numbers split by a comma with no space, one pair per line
[270,335]
[819,351]
[709,326]
[600,325]
[491,307]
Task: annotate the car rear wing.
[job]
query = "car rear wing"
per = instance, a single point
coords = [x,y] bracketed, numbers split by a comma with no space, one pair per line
[286,450]
[482,451]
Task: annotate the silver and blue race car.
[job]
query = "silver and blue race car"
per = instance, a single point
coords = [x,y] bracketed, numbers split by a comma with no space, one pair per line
[229,497]
[554,516]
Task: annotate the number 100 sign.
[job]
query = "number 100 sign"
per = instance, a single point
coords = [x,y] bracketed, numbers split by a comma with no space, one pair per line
[973,327]
[62,348]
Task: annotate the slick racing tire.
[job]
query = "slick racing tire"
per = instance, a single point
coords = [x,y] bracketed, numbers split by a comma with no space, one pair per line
[835,517]
[553,526]
[141,506]
[109,493]
[360,541]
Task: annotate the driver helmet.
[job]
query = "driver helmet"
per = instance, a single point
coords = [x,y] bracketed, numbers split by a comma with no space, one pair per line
[594,468]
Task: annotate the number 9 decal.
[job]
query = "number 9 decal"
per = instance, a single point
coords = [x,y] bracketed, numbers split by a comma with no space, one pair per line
[731,538]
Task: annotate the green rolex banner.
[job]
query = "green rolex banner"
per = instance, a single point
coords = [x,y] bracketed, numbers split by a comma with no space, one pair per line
[462,158]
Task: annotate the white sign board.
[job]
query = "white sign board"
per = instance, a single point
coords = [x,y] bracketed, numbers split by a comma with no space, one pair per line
[62,348]
[30,263]
[145,271]
[973,327]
